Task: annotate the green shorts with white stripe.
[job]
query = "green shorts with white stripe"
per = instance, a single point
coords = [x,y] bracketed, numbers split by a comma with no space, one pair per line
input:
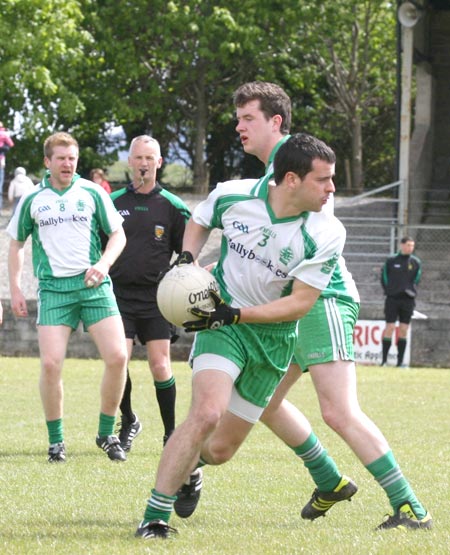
[67,302]
[325,334]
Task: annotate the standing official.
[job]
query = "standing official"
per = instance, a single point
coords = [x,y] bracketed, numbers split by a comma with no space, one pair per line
[154,223]
[399,277]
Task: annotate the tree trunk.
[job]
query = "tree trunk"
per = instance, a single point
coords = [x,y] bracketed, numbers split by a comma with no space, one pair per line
[357,155]
[201,171]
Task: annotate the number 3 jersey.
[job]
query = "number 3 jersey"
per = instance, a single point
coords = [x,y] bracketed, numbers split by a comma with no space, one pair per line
[64,226]
[262,254]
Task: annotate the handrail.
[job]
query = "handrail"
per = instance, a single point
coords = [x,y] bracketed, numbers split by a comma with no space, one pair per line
[371,193]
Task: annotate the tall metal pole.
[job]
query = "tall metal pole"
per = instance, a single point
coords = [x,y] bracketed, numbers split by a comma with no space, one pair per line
[405,123]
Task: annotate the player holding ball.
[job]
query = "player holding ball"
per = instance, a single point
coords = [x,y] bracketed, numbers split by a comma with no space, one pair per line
[278,253]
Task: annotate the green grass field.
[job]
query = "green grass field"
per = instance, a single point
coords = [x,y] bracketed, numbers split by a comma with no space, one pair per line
[250,505]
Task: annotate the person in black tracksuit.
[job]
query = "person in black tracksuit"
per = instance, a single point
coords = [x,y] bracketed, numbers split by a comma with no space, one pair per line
[399,277]
[154,223]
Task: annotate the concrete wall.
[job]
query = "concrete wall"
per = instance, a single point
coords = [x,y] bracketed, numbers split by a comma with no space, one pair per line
[18,337]
[430,339]
[440,56]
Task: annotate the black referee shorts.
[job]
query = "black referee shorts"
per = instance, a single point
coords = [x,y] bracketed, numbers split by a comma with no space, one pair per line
[400,309]
[145,322]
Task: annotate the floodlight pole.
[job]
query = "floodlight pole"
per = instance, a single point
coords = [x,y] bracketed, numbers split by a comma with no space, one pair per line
[405,123]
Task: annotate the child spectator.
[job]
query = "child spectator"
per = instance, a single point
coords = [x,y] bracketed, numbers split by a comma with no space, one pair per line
[97,175]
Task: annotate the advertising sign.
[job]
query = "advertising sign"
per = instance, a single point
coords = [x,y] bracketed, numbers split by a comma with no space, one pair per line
[367,341]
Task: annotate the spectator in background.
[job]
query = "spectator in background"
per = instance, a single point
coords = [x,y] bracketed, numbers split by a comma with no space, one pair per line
[399,277]
[97,175]
[5,144]
[19,185]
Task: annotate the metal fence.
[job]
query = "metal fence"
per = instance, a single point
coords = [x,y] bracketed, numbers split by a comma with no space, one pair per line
[374,232]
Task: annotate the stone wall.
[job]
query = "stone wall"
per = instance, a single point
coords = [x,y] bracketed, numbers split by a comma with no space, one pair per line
[430,339]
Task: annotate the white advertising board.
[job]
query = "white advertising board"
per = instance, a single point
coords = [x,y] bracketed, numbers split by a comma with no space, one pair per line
[367,341]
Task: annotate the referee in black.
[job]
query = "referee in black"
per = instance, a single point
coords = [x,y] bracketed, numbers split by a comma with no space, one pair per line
[154,223]
[399,277]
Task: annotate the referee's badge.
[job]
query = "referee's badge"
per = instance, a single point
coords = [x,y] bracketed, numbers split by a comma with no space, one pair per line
[159,232]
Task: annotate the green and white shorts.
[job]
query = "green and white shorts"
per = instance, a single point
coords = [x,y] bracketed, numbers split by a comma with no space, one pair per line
[325,334]
[67,302]
[256,356]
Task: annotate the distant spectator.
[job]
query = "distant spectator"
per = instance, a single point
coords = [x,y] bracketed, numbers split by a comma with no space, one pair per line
[97,175]
[19,185]
[5,144]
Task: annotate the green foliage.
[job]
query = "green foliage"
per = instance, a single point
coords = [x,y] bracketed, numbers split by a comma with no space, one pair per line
[350,50]
[250,505]
[38,62]
[176,176]
[169,69]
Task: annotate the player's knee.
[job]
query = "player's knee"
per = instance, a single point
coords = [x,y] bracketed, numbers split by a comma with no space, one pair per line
[336,420]
[204,419]
[117,359]
[50,367]
[219,453]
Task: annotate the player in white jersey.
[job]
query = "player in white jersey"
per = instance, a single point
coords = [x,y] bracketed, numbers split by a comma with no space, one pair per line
[263,111]
[325,348]
[277,256]
[244,274]
[64,215]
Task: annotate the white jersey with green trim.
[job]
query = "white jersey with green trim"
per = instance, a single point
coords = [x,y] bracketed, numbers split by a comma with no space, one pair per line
[64,226]
[262,254]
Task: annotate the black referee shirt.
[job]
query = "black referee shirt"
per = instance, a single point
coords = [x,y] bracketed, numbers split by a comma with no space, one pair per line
[400,273]
[154,225]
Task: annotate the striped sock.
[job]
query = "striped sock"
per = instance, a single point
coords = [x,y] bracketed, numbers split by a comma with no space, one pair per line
[166,393]
[320,465]
[159,506]
[387,473]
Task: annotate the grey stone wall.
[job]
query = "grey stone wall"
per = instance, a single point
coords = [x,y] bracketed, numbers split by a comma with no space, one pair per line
[18,337]
[430,339]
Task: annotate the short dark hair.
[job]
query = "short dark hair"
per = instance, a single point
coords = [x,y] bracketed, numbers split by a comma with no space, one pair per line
[272,98]
[406,239]
[297,155]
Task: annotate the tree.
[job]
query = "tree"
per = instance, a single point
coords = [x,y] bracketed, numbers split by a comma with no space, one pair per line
[169,68]
[178,82]
[39,61]
[353,44]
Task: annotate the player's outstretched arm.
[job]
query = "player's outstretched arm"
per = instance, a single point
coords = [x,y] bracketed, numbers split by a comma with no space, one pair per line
[287,309]
[195,237]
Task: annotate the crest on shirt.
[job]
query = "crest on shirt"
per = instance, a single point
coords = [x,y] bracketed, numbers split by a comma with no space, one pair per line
[286,255]
[328,266]
[159,232]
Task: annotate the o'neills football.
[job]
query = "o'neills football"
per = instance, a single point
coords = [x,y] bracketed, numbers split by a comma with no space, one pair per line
[182,288]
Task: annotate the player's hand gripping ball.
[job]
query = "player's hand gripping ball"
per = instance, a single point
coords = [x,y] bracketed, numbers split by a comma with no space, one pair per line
[183,288]
[222,315]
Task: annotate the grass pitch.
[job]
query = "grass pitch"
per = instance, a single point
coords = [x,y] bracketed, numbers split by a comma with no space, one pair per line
[250,505]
